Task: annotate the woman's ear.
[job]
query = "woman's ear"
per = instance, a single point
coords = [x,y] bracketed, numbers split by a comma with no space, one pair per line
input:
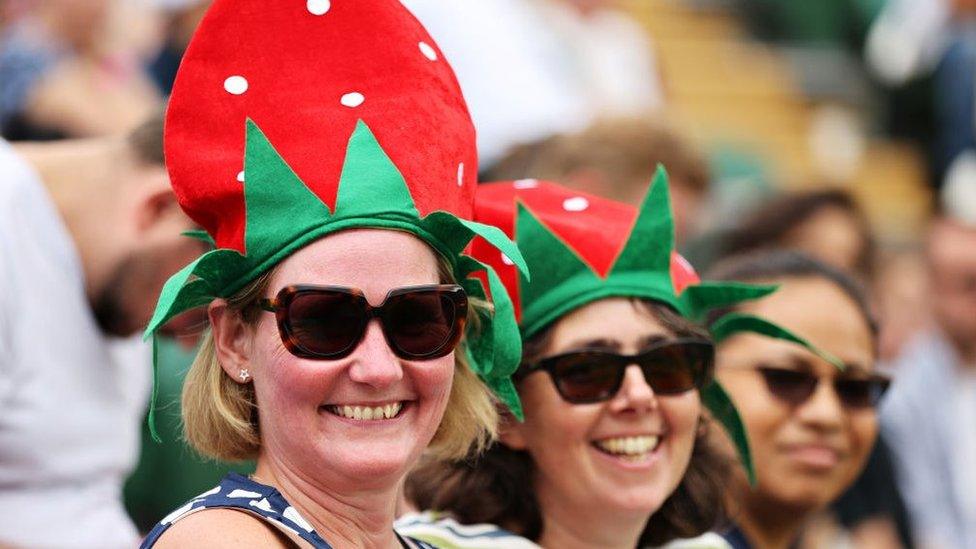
[230,340]
[510,432]
[156,209]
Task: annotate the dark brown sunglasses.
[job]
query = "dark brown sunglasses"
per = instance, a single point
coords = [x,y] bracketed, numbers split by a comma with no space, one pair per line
[795,387]
[328,322]
[670,367]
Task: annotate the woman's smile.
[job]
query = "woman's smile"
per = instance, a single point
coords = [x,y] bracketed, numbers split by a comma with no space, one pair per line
[367,412]
[634,452]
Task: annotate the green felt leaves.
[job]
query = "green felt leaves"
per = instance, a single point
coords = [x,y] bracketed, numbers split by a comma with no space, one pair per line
[724,411]
[370,183]
[278,204]
[734,323]
[283,215]
[648,250]
[697,300]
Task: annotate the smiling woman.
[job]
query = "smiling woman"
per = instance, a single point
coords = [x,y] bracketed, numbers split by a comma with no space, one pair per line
[348,335]
[614,380]
[811,426]
[220,408]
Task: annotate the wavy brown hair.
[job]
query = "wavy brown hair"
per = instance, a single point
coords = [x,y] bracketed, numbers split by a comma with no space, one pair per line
[497,487]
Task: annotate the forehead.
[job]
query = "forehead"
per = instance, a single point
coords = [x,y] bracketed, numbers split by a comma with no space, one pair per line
[619,320]
[373,260]
[820,312]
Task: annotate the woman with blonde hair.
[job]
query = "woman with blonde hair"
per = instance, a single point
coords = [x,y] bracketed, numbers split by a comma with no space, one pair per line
[346,333]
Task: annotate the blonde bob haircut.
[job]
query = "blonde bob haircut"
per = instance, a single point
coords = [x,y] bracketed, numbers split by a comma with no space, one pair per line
[220,415]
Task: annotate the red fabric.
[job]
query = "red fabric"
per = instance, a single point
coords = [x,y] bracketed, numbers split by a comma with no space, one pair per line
[597,234]
[298,66]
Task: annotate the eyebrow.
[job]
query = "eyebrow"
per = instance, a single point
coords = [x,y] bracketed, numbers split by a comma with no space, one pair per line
[607,344]
[856,368]
[803,363]
[596,343]
[653,339]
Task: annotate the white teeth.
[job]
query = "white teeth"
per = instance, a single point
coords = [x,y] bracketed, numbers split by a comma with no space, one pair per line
[367,413]
[629,446]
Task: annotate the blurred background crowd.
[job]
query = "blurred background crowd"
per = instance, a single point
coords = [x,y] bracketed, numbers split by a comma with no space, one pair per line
[842,128]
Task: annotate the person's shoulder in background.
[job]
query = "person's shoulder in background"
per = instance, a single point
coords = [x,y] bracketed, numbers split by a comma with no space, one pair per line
[443,531]
[708,540]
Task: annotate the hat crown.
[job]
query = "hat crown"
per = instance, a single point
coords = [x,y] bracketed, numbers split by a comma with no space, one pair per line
[306,74]
[581,247]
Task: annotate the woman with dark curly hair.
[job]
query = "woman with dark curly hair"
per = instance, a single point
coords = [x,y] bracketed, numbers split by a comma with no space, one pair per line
[614,380]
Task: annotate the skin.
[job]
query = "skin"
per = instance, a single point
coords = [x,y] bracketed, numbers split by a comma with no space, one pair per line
[342,475]
[832,235]
[805,455]
[125,223]
[588,498]
[952,270]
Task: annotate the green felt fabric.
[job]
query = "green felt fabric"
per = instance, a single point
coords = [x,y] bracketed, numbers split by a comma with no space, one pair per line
[724,411]
[283,215]
[651,242]
[696,301]
[735,323]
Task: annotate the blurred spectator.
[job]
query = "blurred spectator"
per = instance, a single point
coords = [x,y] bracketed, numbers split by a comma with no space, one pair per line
[533,68]
[89,232]
[840,23]
[931,411]
[914,39]
[811,428]
[61,77]
[181,18]
[616,158]
[826,224]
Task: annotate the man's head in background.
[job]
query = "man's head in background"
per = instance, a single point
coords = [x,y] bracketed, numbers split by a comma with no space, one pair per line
[117,204]
[616,158]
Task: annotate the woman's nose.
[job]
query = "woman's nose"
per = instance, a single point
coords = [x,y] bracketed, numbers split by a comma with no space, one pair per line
[373,362]
[823,409]
[635,395]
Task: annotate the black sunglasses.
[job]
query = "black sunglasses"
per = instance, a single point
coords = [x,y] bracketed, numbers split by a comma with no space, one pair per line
[328,322]
[796,387]
[670,367]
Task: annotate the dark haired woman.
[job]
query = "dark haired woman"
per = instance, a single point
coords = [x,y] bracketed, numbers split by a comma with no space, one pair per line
[811,425]
[612,451]
[825,224]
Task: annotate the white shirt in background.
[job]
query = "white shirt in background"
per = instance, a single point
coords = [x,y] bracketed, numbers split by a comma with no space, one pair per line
[71,401]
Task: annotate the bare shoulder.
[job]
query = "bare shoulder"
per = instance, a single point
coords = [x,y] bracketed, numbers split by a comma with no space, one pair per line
[222,528]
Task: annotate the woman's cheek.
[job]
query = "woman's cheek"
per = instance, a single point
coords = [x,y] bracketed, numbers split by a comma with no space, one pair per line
[433,379]
[864,431]
[683,413]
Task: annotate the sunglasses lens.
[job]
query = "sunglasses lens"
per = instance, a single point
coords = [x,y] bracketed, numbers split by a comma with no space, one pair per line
[790,386]
[586,377]
[325,323]
[676,368]
[860,393]
[424,323]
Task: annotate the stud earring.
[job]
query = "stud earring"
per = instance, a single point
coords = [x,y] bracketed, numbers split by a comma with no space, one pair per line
[244,375]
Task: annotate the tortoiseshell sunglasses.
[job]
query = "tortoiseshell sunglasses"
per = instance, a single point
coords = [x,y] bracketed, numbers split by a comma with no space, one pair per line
[328,322]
